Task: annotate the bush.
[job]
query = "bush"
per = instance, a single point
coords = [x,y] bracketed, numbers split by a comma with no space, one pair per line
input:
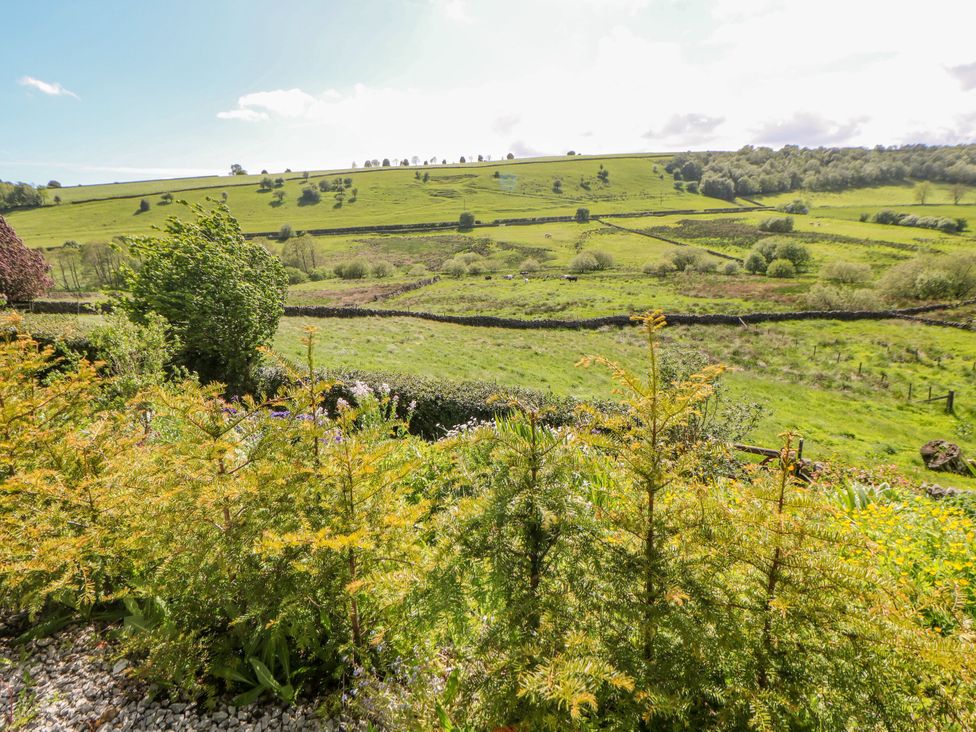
[135,355]
[320,273]
[144,205]
[530,265]
[24,275]
[285,232]
[221,294]
[850,273]
[777,224]
[354,269]
[659,269]
[295,276]
[827,297]
[715,186]
[466,220]
[455,267]
[795,252]
[582,215]
[755,263]
[692,186]
[932,277]
[781,268]
[309,197]
[731,268]
[604,260]
[584,262]
[383,269]
[796,206]
[418,270]
[686,258]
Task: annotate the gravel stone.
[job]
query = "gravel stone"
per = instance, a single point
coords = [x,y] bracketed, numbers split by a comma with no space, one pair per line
[70,682]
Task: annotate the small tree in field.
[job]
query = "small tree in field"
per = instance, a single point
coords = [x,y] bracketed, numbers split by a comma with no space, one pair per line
[144,205]
[466,220]
[922,192]
[23,272]
[221,294]
[582,215]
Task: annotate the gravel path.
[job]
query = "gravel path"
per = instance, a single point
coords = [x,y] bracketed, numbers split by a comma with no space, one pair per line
[75,681]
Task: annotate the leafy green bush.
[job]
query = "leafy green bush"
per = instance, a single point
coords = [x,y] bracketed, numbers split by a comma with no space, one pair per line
[221,294]
[383,269]
[582,215]
[604,260]
[320,273]
[777,224]
[781,268]
[755,263]
[530,265]
[584,262]
[466,220]
[826,297]
[796,206]
[353,269]
[731,268]
[295,276]
[851,273]
[932,277]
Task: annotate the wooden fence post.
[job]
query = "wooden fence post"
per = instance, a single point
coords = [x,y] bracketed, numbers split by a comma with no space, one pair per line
[909,391]
[950,401]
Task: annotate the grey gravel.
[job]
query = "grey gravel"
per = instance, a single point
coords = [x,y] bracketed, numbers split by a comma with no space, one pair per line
[76,681]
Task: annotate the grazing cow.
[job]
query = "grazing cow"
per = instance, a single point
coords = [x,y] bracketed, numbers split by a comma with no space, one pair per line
[548,236]
[509,277]
[570,278]
[487,277]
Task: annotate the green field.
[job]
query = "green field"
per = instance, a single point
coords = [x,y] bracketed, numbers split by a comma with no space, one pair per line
[384,195]
[806,374]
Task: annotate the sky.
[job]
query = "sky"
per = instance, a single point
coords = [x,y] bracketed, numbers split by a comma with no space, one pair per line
[118,90]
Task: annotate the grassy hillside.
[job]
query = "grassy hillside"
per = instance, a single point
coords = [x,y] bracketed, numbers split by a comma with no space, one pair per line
[384,195]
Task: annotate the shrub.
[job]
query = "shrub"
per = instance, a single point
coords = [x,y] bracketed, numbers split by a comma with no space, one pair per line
[295,275]
[383,269]
[309,197]
[466,220]
[144,205]
[320,273]
[582,215]
[530,265]
[354,269]
[731,268]
[781,268]
[24,275]
[755,263]
[715,186]
[851,273]
[221,294]
[686,258]
[455,267]
[692,186]
[658,269]
[285,232]
[932,277]
[777,224]
[604,260]
[584,262]
[418,270]
[135,355]
[827,297]
[796,206]
[795,252]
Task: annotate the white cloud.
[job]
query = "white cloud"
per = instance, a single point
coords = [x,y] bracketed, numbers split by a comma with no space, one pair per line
[965,74]
[247,115]
[288,103]
[53,89]
[604,77]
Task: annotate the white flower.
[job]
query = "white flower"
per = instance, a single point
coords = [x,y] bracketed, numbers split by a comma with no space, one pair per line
[341,404]
[385,389]
[361,391]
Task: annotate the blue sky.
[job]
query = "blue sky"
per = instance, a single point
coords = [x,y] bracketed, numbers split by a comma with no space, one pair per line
[108,90]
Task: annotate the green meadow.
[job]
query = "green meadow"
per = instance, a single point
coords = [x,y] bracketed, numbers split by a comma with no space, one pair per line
[844,386]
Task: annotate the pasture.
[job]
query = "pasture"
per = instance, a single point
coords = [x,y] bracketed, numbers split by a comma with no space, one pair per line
[843,385]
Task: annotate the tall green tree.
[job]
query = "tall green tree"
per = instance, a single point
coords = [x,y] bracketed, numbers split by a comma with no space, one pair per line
[221,294]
